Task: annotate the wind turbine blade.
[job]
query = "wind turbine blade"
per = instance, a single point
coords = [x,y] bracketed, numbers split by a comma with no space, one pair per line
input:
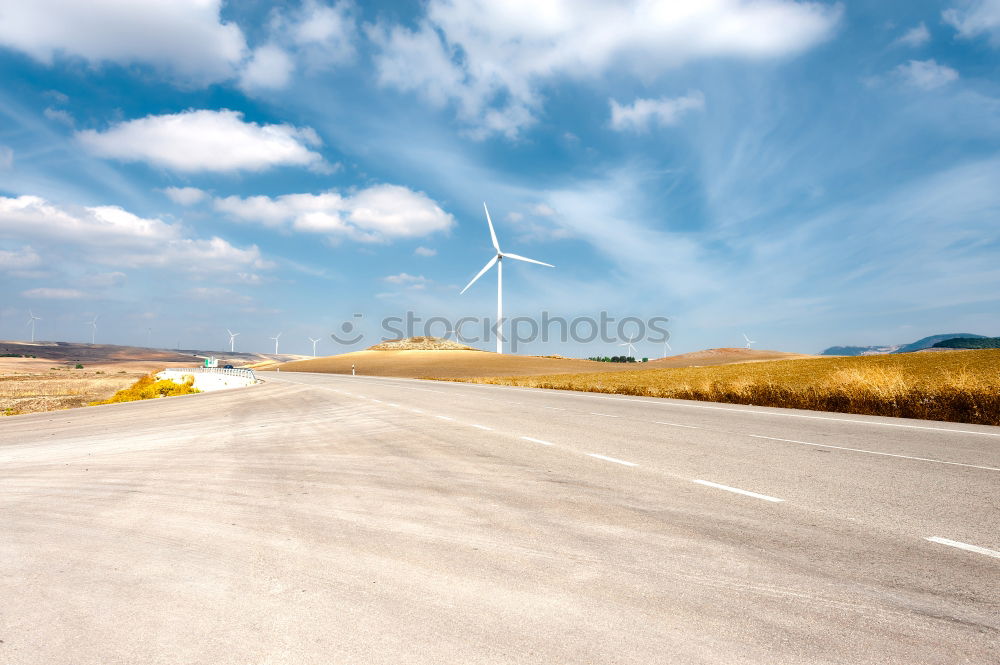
[493,234]
[524,258]
[481,273]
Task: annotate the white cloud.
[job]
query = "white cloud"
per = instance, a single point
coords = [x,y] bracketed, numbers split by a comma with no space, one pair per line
[26,257]
[53,294]
[205,141]
[113,236]
[926,74]
[416,282]
[491,59]
[425,251]
[270,67]
[914,37]
[642,113]
[185,196]
[184,37]
[373,214]
[6,157]
[974,18]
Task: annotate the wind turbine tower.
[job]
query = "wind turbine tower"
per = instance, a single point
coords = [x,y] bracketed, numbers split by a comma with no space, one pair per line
[666,347]
[232,340]
[314,345]
[93,329]
[275,338]
[31,322]
[498,260]
[749,341]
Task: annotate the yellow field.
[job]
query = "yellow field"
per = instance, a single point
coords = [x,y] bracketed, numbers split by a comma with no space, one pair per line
[959,386]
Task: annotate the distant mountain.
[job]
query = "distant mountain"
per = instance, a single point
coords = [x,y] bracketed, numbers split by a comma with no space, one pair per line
[969,343]
[858,350]
[920,344]
[928,342]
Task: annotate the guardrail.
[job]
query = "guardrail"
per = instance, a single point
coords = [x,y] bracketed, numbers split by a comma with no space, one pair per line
[236,371]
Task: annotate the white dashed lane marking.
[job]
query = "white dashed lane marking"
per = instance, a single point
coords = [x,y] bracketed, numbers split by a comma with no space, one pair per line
[736,490]
[612,459]
[965,546]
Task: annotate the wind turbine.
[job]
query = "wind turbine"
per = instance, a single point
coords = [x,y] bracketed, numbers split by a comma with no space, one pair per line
[631,349]
[275,338]
[93,329]
[498,260]
[31,322]
[749,341]
[149,338]
[314,345]
[666,347]
[232,340]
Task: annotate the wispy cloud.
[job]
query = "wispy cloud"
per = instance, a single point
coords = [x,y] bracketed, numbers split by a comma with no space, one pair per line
[926,74]
[642,114]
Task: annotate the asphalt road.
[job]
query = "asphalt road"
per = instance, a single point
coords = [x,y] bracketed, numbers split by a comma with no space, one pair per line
[337,519]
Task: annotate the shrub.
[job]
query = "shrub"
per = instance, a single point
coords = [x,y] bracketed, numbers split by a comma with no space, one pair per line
[149,388]
[79,366]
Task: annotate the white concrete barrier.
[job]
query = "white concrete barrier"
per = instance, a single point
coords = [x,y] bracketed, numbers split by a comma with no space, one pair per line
[207,379]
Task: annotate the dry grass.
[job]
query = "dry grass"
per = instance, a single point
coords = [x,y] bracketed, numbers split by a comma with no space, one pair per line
[962,386]
[149,388]
[30,385]
[57,389]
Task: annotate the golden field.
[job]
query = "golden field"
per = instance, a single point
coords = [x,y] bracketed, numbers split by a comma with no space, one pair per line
[959,386]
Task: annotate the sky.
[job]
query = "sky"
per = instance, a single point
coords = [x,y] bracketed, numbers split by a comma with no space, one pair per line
[807,173]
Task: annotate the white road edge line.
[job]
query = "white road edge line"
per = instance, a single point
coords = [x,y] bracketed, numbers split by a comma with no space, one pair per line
[488,429]
[874,452]
[964,546]
[659,422]
[544,443]
[444,417]
[612,459]
[605,415]
[765,497]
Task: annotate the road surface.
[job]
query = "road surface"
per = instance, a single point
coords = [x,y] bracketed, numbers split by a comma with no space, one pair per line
[337,519]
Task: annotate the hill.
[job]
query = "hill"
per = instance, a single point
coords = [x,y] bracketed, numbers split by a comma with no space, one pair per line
[968,343]
[919,345]
[928,342]
[455,364]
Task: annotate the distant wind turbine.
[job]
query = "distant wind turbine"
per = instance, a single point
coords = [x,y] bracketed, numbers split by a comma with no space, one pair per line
[275,338]
[149,338]
[498,260]
[232,340]
[93,329]
[631,349]
[749,341]
[314,345]
[666,347]
[31,322]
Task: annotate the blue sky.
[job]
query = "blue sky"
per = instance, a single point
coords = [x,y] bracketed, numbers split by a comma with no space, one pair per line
[810,173]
